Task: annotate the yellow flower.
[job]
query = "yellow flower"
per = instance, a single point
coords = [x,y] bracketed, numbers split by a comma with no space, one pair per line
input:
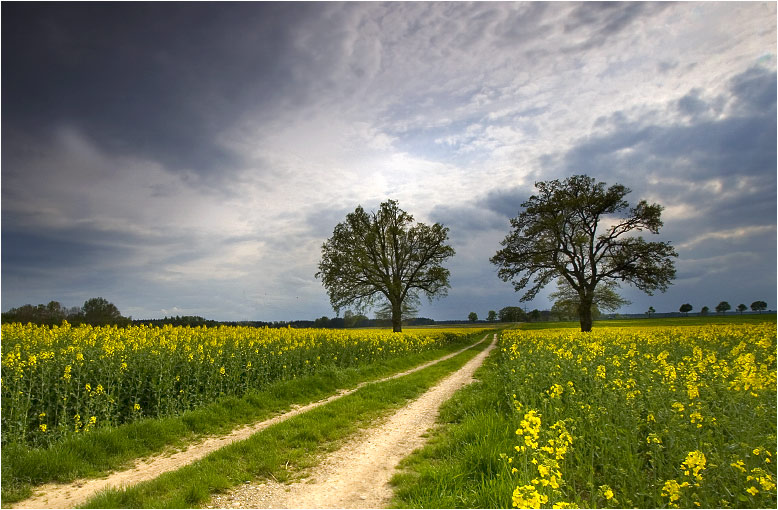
[753,491]
[606,492]
[694,464]
[42,427]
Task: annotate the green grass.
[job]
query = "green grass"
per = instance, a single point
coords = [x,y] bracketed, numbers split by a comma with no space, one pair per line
[461,465]
[284,450]
[105,449]
[662,321]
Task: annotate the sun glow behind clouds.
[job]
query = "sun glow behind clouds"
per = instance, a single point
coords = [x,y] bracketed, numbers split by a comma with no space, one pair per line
[235,176]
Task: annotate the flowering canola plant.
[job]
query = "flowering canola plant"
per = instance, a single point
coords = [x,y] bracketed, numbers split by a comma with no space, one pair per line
[68,379]
[643,417]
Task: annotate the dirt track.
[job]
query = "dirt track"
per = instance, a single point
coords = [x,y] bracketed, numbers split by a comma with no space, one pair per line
[75,493]
[357,475]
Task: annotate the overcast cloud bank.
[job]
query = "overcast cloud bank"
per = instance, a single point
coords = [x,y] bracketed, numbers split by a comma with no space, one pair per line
[192,158]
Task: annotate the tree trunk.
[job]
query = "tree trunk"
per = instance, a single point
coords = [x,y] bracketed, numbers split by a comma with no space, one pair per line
[585,313]
[397,321]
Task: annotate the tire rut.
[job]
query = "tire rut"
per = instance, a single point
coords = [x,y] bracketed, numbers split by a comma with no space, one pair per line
[357,475]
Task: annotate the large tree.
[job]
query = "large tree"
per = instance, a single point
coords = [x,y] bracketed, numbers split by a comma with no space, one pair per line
[561,233]
[384,256]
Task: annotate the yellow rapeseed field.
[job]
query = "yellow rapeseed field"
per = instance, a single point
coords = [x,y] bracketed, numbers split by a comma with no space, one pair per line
[643,417]
[64,380]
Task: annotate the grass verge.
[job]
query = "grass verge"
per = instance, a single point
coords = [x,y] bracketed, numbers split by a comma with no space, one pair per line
[103,450]
[461,465]
[283,450]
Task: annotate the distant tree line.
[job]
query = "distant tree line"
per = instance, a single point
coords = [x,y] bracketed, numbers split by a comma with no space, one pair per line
[96,311]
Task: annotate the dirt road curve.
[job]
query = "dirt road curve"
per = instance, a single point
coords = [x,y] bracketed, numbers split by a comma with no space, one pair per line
[75,493]
[357,475]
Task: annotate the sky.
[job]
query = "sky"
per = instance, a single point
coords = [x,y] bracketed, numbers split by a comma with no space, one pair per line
[192,158]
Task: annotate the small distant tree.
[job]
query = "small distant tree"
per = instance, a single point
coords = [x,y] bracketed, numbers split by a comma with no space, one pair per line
[759,306]
[408,311]
[704,310]
[741,308]
[512,314]
[99,312]
[354,320]
[491,316]
[322,322]
[723,307]
[686,308]
[534,315]
[472,317]
[567,301]
[650,311]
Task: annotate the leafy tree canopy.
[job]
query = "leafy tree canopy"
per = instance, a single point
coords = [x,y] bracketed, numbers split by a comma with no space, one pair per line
[723,306]
[758,306]
[579,230]
[384,257]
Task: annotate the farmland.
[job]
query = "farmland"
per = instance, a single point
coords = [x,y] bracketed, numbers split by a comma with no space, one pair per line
[652,413]
[80,401]
[68,380]
[658,416]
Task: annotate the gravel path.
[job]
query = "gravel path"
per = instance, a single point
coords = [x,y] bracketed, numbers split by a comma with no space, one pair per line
[357,475]
[72,494]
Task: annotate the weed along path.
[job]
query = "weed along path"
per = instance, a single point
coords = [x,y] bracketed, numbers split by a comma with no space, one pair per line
[78,492]
[357,475]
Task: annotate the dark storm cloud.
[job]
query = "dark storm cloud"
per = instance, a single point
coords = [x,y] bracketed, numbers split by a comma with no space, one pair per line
[739,150]
[603,20]
[158,80]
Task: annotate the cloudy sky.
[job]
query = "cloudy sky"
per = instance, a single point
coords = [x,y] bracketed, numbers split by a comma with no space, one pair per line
[191,158]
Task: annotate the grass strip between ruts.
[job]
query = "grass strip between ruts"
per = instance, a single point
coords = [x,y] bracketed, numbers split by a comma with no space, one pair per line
[282,450]
[460,467]
[104,450]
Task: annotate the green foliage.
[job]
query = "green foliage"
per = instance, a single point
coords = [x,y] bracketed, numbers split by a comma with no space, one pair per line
[472,316]
[96,311]
[512,314]
[722,307]
[685,308]
[556,236]
[384,257]
[759,306]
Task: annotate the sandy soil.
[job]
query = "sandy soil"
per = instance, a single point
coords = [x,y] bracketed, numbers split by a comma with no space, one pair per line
[75,493]
[358,474]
